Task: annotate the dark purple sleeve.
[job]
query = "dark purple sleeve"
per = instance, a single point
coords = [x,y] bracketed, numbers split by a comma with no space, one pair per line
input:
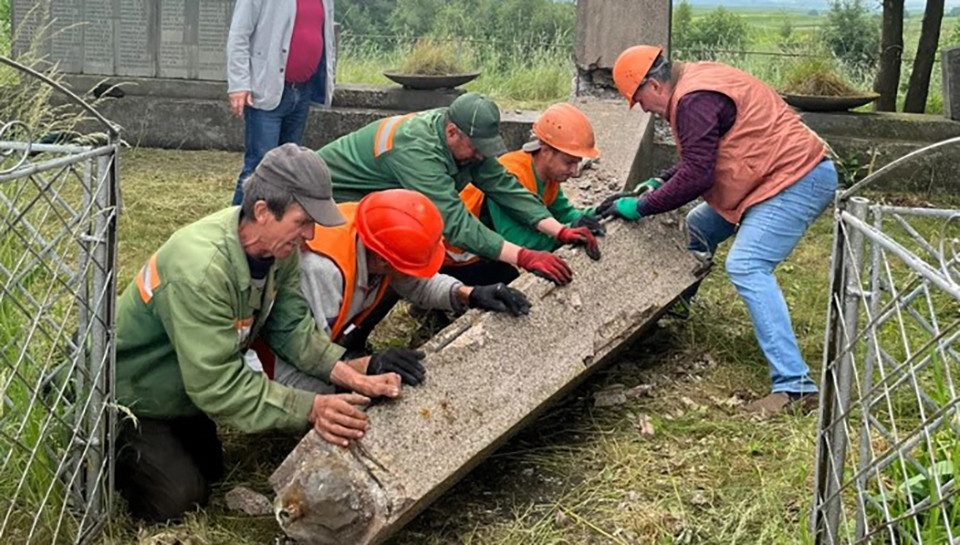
[702,120]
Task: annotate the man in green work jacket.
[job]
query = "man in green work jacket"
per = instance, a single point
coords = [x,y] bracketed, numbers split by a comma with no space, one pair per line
[437,153]
[195,306]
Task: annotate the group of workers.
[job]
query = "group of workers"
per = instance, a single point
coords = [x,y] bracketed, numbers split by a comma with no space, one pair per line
[256,316]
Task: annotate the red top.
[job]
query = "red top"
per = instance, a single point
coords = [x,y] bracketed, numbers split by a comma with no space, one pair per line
[306,44]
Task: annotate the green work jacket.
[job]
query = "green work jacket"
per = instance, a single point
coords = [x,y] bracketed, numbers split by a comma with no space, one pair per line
[190,311]
[420,160]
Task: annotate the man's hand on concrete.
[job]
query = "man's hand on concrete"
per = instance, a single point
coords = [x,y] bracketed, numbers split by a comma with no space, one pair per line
[385,385]
[337,419]
[545,265]
[624,208]
[238,100]
[403,361]
[580,236]
[499,298]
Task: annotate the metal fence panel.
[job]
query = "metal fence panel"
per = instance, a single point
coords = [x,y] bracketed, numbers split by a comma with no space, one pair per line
[888,449]
[58,211]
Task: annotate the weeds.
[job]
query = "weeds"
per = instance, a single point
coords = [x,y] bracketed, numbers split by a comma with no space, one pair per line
[432,58]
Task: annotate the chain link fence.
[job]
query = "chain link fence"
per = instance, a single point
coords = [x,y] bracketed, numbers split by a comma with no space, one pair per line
[58,211]
[888,448]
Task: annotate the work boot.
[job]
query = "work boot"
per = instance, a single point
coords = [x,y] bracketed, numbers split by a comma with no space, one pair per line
[777,402]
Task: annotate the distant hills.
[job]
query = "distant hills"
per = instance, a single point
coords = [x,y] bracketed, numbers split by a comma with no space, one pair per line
[913,6]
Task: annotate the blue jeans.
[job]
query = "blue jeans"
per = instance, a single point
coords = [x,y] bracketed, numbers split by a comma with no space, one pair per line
[768,233]
[267,129]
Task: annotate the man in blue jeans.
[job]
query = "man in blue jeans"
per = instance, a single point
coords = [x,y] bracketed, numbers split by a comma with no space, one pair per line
[280,59]
[763,175]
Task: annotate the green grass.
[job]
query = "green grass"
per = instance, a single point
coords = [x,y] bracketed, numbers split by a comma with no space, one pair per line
[513,78]
[580,474]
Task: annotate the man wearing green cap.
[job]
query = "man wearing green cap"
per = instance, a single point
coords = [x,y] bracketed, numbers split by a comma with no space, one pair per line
[438,152]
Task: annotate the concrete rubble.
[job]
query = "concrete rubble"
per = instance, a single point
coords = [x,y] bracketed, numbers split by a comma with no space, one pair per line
[488,375]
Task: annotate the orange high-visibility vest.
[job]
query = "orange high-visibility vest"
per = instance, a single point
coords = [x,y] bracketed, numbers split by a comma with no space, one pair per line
[520,164]
[338,244]
[767,149]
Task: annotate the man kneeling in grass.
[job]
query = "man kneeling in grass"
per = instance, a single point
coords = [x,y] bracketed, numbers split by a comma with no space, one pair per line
[195,306]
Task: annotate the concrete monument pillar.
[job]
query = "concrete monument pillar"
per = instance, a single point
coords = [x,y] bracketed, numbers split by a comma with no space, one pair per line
[607,27]
[950,64]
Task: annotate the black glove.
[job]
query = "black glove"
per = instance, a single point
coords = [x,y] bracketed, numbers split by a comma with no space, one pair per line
[403,361]
[590,222]
[499,298]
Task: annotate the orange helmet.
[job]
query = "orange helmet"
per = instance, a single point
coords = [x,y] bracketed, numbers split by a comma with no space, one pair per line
[564,127]
[631,68]
[403,227]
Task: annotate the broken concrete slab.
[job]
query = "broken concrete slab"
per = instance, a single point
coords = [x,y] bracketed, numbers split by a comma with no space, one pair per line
[488,376]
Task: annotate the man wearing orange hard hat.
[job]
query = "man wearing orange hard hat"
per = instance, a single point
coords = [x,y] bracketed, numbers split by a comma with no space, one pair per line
[391,239]
[764,177]
[562,138]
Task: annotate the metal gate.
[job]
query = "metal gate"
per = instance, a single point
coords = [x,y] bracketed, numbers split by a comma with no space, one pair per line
[888,447]
[58,211]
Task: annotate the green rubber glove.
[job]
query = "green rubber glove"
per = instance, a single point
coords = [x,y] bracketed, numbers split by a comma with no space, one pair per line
[624,207]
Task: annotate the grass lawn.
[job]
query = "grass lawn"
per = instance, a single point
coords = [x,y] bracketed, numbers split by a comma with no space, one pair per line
[580,474]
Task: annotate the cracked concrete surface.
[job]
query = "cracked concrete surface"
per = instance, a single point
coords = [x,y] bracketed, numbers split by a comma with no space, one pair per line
[487,376]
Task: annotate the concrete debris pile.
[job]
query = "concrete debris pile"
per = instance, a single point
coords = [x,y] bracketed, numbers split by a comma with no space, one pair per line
[488,376]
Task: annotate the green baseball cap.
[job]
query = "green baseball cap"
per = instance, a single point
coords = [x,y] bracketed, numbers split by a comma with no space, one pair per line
[479,118]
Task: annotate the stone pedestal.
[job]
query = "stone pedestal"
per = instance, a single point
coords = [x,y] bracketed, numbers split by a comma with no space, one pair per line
[605,28]
[950,64]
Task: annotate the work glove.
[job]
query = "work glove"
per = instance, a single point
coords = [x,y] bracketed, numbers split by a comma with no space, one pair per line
[402,361]
[545,265]
[580,236]
[499,298]
[642,188]
[592,222]
[624,207]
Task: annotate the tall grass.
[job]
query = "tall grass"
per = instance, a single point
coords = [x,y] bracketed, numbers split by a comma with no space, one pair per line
[514,75]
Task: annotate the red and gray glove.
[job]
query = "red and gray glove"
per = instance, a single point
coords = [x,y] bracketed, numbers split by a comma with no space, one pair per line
[580,236]
[545,265]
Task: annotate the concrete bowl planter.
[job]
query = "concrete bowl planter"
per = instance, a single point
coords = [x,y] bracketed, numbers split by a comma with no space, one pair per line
[812,103]
[425,82]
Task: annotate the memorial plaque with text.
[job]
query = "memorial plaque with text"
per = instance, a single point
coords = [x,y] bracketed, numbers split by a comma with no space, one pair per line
[137,38]
[183,39]
[67,26]
[173,60]
[26,18]
[212,38]
[98,37]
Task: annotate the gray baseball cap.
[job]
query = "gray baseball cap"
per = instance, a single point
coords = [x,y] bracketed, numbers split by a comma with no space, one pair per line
[302,172]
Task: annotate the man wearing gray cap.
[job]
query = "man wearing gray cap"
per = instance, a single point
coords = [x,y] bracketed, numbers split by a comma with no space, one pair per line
[437,153]
[195,306]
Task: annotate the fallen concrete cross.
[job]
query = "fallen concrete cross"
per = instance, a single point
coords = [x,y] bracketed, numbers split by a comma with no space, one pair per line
[488,375]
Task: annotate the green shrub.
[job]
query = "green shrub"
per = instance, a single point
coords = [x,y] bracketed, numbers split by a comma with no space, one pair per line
[853,33]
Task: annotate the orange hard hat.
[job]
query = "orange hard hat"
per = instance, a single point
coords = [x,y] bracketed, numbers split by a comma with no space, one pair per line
[631,68]
[405,228]
[564,127]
